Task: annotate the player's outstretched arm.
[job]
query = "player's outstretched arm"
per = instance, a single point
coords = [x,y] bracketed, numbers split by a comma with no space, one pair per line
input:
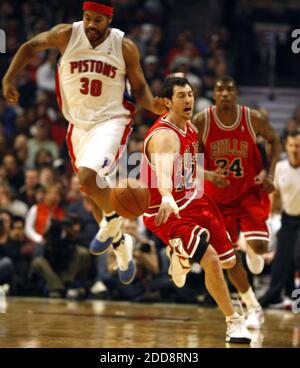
[135,75]
[57,37]
[262,127]
[162,150]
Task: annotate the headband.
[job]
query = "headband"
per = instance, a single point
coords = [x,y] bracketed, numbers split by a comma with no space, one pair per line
[99,8]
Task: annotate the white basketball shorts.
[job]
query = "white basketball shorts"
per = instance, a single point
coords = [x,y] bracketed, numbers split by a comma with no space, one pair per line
[100,147]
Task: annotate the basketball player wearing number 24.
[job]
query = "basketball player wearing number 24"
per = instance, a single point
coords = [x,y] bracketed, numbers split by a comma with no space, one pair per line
[95,62]
[227,133]
[190,225]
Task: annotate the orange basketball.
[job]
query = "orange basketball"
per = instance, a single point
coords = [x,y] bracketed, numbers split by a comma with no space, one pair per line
[130,199]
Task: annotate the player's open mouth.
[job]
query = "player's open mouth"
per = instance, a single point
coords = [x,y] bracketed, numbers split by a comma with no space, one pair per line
[187,109]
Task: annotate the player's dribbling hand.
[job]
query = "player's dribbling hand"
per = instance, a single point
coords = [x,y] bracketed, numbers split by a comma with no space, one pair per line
[10,92]
[167,207]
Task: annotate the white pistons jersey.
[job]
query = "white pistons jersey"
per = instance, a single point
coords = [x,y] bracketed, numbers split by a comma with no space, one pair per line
[91,81]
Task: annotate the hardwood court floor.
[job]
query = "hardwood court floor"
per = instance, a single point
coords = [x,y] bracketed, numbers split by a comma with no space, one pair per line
[34,322]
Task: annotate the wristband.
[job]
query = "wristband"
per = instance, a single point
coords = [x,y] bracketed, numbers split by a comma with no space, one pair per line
[168,199]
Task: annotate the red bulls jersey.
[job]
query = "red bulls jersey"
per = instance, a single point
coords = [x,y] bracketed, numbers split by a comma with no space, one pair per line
[184,165]
[232,150]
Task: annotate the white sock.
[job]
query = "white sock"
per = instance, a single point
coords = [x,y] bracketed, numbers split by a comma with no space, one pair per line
[109,214]
[123,255]
[235,315]
[118,237]
[249,299]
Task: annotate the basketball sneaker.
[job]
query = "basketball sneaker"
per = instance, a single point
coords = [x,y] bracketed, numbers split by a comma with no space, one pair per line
[237,332]
[107,232]
[126,266]
[177,273]
[255,262]
[255,318]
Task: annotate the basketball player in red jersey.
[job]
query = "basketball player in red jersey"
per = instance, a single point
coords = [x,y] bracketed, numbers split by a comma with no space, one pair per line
[95,62]
[236,180]
[186,222]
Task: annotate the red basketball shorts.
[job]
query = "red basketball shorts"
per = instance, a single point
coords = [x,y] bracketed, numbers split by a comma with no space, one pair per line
[249,217]
[199,216]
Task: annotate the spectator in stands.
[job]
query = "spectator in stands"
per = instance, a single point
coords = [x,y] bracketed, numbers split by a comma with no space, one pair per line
[151,68]
[74,193]
[28,190]
[21,149]
[183,64]
[6,261]
[83,209]
[23,254]
[22,123]
[13,269]
[15,175]
[181,39]
[47,176]
[14,206]
[64,264]
[41,140]
[41,214]
[43,158]
[45,76]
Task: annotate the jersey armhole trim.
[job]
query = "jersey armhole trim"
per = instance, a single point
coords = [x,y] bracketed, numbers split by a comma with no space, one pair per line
[61,59]
[249,124]
[206,125]
[147,140]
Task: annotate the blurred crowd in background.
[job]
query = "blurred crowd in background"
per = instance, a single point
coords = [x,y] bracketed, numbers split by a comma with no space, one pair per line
[51,258]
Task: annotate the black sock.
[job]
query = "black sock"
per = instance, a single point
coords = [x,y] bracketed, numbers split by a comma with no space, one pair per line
[116,245]
[115,215]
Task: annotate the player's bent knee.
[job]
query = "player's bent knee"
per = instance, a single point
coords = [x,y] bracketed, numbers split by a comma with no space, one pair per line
[226,265]
[210,260]
[212,264]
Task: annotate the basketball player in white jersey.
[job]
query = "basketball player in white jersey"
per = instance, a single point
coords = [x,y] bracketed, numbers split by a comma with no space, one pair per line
[95,62]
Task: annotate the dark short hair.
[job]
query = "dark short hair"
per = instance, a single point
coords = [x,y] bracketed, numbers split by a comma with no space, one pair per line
[103,2]
[293,134]
[226,79]
[170,83]
[18,219]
